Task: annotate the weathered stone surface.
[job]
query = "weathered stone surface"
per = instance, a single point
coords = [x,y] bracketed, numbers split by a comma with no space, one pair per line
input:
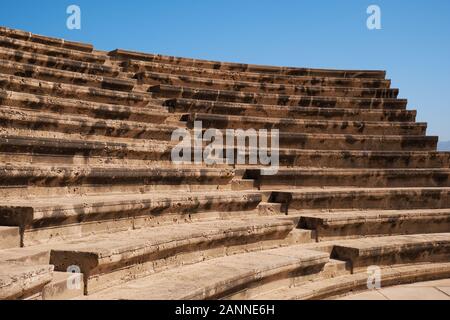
[86,178]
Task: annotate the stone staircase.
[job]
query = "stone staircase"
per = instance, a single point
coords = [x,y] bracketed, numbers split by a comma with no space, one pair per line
[92,207]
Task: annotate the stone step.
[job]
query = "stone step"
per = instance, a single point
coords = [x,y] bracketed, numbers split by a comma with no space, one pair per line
[59,106]
[146,66]
[270,111]
[341,285]
[64,286]
[70,91]
[50,41]
[220,277]
[9,237]
[363,198]
[63,76]
[51,220]
[22,281]
[41,60]
[22,180]
[116,258]
[368,178]
[125,55]
[153,78]
[33,47]
[307,125]
[393,250]
[351,224]
[175,92]
[17,118]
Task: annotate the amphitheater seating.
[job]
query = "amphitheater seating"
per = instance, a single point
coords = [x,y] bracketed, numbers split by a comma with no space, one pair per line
[86,179]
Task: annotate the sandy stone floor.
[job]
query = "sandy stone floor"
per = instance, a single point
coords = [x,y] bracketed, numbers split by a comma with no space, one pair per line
[431,290]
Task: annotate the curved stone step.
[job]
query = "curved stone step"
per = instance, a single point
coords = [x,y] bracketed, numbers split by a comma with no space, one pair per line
[22,180]
[219,277]
[351,224]
[393,250]
[368,178]
[171,92]
[42,60]
[146,66]
[271,111]
[51,51]
[307,126]
[70,91]
[59,106]
[115,258]
[124,54]
[49,220]
[363,198]
[21,281]
[153,78]
[50,41]
[342,285]
[67,77]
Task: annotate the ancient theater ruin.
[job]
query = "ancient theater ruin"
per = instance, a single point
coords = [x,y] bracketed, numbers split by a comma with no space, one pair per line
[93,207]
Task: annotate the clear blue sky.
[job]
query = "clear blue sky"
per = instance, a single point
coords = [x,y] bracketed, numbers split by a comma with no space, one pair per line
[413,46]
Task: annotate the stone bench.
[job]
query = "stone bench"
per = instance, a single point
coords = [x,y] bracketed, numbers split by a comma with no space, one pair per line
[22,281]
[42,60]
[40,87]
[368,178]
[363,198]
[9,237]
[221,277]
[343,224]
[152,78]
[114,258]
[335,287]
[124,55]
[33,47]
[50,41]
[149,114]
[39,179]
[48,220]
[171,92]
[146,66]
[270,111]
[308,126]
[394,250]
[67,77]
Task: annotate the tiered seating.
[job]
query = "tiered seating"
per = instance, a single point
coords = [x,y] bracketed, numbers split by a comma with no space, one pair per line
[86,179]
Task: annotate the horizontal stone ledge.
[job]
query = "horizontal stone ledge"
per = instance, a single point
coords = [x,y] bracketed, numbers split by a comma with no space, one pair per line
[341,285]
[153,78]
[59,63]
[15,118]
[361,198]
[50,41]
[63,76]
[146,66]
[20,281]
[46,220]
[307,126]
[352,224]
[33,47]
[393,250]
[152,113]
[219,277]
[41,87]
[171,92]
[125,54]
[292,112]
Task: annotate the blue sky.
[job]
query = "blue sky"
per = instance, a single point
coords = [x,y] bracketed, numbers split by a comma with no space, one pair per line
[413,45]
